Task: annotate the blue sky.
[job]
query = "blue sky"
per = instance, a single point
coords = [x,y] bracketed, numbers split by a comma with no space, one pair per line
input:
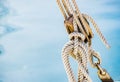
[32,35]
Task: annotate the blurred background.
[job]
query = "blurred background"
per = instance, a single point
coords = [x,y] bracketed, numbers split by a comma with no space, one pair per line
[32,35]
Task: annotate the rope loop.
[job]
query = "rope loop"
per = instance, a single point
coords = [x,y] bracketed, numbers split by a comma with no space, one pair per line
[77,34]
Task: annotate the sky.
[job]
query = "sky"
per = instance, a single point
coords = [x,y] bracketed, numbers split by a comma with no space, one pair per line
[32,35]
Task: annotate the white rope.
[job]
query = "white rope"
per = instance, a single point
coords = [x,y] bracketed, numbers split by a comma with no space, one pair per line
[97,30]
[65,57]
[76,47]
[83,55]
[82,52]
[61,9]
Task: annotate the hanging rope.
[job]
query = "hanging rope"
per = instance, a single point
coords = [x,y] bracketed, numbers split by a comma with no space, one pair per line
[82,54]
[79,46]
[97,30]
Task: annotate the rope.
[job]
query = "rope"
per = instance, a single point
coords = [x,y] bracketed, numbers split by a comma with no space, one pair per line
[83,54]
[97,30]
[77,47]
[75,17]
[61,8]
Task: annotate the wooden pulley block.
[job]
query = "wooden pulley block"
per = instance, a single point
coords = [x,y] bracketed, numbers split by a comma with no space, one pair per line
[69,24]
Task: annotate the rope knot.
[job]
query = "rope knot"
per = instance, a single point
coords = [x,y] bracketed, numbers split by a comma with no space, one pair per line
[76,34]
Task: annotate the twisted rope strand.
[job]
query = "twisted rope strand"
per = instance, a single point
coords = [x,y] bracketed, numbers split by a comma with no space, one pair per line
[61,9]
[97,30]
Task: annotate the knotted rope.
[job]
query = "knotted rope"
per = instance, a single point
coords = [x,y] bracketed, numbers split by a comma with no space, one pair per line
[82,53]
[79,46]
